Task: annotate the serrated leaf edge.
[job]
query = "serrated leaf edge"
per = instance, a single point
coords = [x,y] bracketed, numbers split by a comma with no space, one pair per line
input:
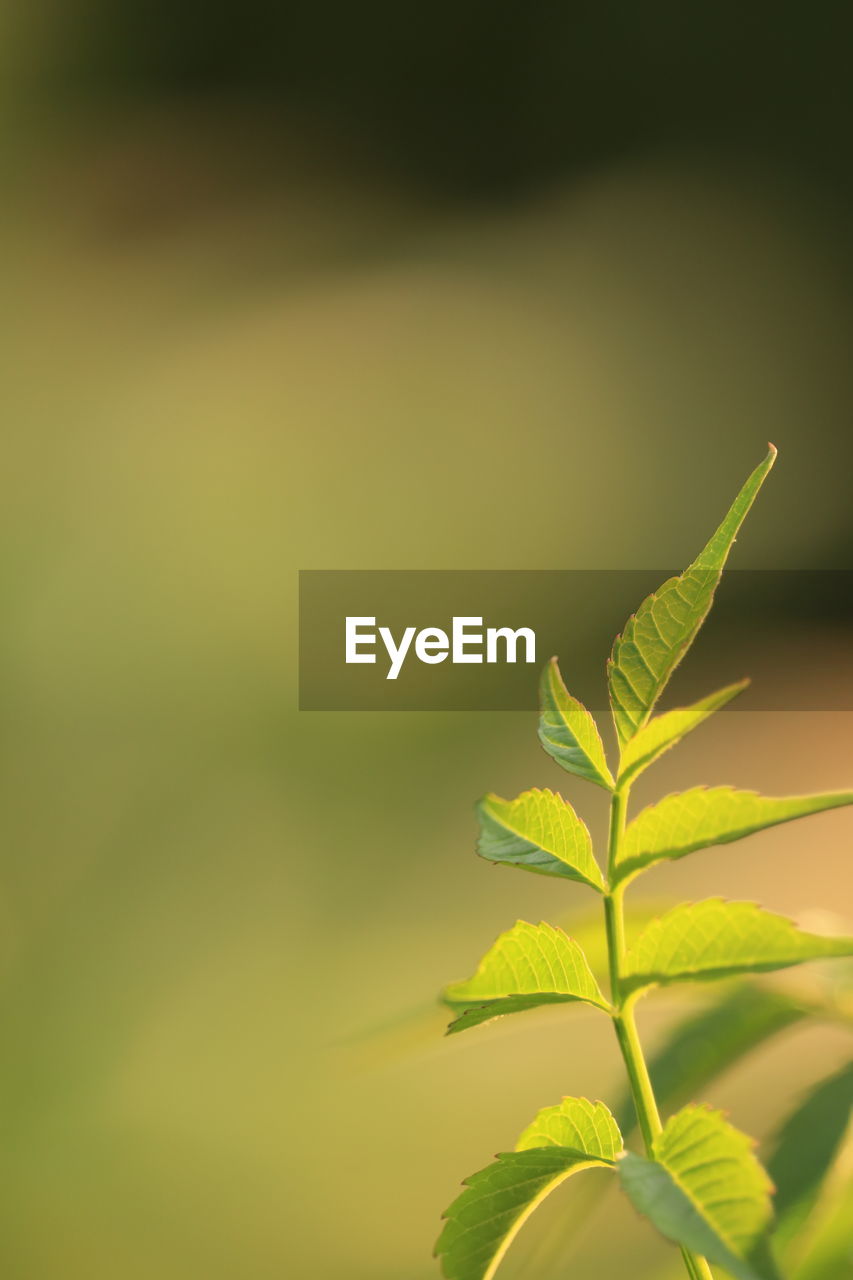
[716,701]
[623,877]
[599,772]
[583,1162]
[490,796]
[635,993]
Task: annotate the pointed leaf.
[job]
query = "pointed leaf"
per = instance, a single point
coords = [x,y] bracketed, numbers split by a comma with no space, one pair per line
[705,1190]
[538,831]
[806,1146]
[705,1044]
[483,1222]
[527,966]
[689,820]
[656,1194]
[664,731]
[700,941]
[474,1015]
[568,732]
[576,1123]
[656,638]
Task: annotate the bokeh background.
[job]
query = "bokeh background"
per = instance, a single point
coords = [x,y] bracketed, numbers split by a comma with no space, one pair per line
[376,286]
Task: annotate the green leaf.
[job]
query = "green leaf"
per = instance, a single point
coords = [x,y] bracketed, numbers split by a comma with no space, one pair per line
[664,731]
[656,638]
[705,1190]
[483,1222]
[476,1014]
[576,1123]
[540,832]
[528,966]
[806,1146]
[699,941]
[689,820]
[711,1041]
[568,732]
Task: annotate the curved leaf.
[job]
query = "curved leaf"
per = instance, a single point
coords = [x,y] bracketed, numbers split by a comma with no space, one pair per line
[527,966]
[705,1044]
[806,1146]
[576,1123]
[664,731]
[656,638]
[704,816]
[568,732]
[715,939]
[475,1015]
[541,832]
[483,1222]
[705,1190]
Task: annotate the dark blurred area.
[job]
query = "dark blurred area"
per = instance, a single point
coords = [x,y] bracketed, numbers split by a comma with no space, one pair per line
[487,100]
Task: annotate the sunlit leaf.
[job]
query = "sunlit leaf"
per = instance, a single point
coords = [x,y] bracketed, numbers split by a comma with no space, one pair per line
[485,1219]
[705,816]
[540,832]
[806,1146]
[483,1222]
[527,966]
[705,1190]
[656,638]
[703,1045]
[664,731]
[568,732]
[717,939]
[576,1123]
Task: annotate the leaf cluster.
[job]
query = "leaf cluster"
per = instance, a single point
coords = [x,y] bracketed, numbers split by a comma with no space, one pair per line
[698,1179]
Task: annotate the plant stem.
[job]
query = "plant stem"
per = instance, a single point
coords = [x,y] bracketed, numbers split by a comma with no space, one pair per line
[697,1268]
[638,1074]
[624,1023]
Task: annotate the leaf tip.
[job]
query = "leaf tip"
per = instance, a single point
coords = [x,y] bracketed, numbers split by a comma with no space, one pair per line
[489,798]
[550,672]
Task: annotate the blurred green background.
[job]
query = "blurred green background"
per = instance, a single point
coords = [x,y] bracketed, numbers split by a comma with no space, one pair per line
[481,286]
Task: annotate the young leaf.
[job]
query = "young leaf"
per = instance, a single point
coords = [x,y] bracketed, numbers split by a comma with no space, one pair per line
[527,966]
[698,941]
[576,1123]
[568,732]
[483,1222]
[806,1146]
[656,638]
[711,1041]
[704,816]
[664,731]
[538,831]
[705,1190]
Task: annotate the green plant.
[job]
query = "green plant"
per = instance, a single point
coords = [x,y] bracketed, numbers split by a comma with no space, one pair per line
[698,1179]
